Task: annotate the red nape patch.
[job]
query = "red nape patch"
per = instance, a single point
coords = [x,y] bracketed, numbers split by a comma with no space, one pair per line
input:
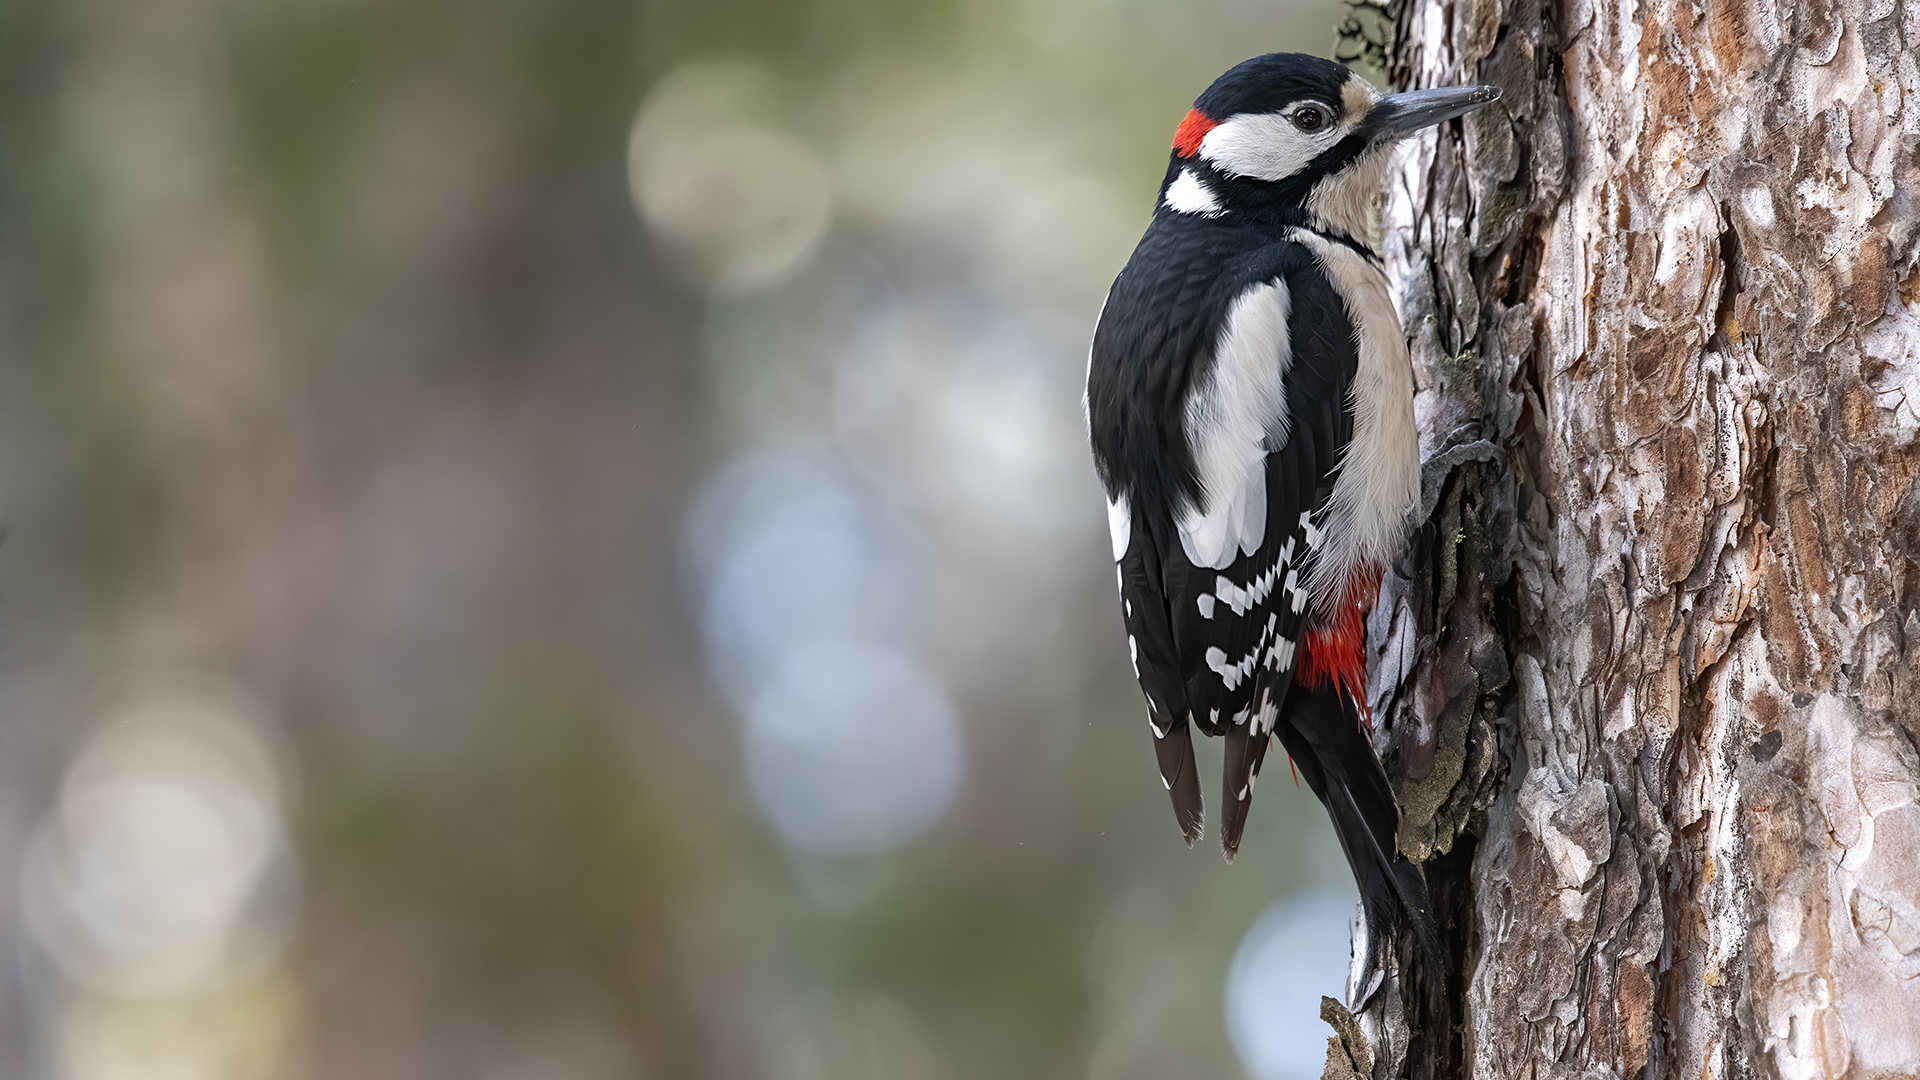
[1193,128]
[1336,652]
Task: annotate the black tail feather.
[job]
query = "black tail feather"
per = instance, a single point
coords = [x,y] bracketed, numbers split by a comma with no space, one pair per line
[1392,889]
[1236,793]
[1321,730]
[1173,750]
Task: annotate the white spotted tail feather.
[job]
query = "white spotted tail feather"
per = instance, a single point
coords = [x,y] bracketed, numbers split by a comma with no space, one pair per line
[1166,702]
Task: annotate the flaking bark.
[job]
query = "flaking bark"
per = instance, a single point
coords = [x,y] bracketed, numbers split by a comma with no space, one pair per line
[1650,680]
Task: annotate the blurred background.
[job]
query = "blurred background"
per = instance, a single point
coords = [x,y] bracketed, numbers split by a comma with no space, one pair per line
[554,540]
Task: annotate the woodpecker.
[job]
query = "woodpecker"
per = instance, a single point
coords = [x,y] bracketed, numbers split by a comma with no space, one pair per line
[1250,405]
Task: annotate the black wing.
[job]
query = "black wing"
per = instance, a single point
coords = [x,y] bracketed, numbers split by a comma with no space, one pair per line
[1216,647]
[1150,642]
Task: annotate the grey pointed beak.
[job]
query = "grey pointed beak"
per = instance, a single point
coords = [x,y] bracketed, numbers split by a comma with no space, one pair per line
[1399,114]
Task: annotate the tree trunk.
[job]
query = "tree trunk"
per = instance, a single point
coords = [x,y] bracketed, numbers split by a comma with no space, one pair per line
[1652,679]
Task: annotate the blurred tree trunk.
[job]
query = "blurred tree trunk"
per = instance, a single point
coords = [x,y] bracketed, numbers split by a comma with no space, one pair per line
[1653,681]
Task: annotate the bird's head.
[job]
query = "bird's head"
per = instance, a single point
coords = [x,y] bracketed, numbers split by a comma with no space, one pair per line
[1293,138]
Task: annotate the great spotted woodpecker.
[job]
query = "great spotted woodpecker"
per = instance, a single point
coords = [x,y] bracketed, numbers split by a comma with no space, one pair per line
[1250,405]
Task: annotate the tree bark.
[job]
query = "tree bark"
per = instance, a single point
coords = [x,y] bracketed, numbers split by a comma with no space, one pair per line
[1651,677]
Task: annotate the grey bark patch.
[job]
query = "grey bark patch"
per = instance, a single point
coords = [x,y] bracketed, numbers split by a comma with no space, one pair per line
[1349,1056]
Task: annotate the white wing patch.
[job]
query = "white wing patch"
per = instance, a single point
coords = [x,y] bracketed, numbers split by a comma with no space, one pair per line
[1379,482]
[1233,416]
[1119,525]
[1189,195]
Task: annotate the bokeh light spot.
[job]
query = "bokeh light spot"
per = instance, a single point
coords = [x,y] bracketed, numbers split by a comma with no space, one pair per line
[745,201]
[852,749]
[150,875]
[794,552]
[1295,954]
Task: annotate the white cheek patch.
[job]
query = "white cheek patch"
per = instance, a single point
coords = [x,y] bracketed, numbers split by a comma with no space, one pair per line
[1265,146]
[1188,195]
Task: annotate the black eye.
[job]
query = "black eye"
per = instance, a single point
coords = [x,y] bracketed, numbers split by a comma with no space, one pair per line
[1310,118]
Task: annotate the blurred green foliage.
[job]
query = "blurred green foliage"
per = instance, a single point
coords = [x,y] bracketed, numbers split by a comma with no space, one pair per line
[531,862]
[338,363]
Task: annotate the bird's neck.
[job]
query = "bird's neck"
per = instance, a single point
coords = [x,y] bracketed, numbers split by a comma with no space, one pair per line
[1348,202]
[1344,208]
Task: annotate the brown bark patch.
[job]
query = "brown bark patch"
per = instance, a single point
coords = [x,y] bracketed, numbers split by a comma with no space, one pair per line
[1773,825]
[1859,413]
[1683,515]
[1633,1003]
[1872,282]
[1731,38]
